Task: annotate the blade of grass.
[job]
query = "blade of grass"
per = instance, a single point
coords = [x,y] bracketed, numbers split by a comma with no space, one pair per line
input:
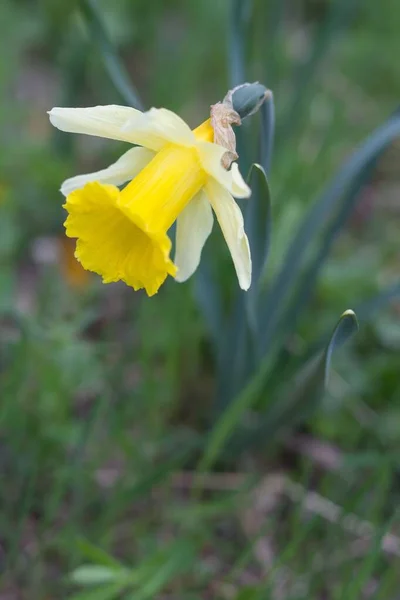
[109,592]
[357,581]
[97,575]
[112,62]
[177,560]
[97,555]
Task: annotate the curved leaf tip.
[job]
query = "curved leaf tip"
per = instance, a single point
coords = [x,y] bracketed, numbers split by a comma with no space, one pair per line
[345,328]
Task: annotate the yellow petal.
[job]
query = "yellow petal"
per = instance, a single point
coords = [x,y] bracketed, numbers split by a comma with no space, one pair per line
[124,169]
[100,121]
[158,127]
[204,132]
[113,245]
[231,221]
[123,235]
[194,225]
[164,187]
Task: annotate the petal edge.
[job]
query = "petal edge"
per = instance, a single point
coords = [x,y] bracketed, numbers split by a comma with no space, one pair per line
[125,168]
[231,222]
[194,225]
[99,121]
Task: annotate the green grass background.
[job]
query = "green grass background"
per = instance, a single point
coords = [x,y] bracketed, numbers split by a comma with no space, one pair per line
[107,397]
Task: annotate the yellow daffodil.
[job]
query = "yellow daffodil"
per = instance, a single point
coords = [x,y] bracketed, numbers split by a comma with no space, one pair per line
[174,174]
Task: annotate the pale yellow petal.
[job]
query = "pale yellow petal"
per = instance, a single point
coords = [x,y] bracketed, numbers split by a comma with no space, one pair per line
[100,121]
[158,127]
[124,169]
[239,187]
[194,225]
[211,159]
[231,221]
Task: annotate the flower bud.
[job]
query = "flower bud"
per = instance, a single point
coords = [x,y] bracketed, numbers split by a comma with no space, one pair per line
[246,99]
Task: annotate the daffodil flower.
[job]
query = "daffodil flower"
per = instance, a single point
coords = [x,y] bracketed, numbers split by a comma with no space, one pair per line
[174,174]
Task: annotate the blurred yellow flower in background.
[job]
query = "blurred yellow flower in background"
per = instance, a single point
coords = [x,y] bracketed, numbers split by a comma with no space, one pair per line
[174,174]
[72,271]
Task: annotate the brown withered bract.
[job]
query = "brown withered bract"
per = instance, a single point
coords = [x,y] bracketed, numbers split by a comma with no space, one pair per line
[222,118]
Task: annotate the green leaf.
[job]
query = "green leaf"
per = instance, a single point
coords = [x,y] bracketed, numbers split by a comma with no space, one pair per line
[258,220]
[340,14]
[298,401]
[96,574]
[237,25]
[97,555]
[364,311]
[274,301]
[301,396]
[236,349]
[235,355]
[112,62]
[359,579]
[208,296]
[309,278]
[161,568]
[258,229]
[250,593]
[367,308]
[346,327]
[267,131]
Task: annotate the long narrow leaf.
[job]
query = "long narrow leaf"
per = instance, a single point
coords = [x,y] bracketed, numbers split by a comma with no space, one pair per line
[258,228]
[237,40]
[306,393]
[314,219]
[367,308]
[365,311]
[267,111]
[208,296]
[112,63]
[309,278]
[235,354]
[339,16]
[302,396]
[258,220]
[97,575]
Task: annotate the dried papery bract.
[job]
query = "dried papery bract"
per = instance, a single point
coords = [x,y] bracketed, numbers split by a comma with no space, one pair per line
[240,102]
[222,118]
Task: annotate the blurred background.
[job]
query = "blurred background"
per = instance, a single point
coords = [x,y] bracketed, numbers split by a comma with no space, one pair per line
[127,469]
